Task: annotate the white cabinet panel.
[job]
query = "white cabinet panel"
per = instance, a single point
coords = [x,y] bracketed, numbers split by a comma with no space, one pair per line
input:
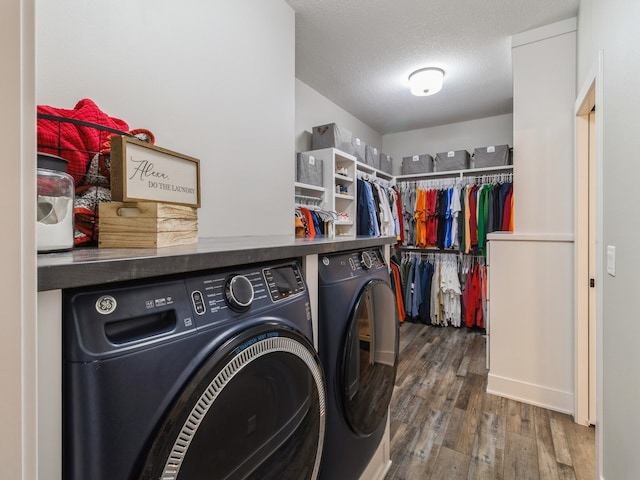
[531,312]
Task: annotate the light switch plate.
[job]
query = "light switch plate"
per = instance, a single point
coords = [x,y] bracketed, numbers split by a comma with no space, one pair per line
[611,260]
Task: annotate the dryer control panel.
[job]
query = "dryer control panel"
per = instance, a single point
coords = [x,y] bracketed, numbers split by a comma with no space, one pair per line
[350,264]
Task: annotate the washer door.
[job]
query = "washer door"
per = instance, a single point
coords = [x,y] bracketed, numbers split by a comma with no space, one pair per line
[368,367]
[254,410]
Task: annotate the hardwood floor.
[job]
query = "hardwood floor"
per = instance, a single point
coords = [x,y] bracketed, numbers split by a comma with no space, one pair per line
[444,426]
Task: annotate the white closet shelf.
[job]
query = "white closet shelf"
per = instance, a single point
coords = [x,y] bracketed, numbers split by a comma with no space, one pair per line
[306,186]
[363,167]
[451,173]
[333,161]
[344,197]
[502,168]
[343,178]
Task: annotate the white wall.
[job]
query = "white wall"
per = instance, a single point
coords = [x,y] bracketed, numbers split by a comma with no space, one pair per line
[543,123]
[213,80]
[531,337]
[611,26]
[467,135]
[18,412]
[313,109]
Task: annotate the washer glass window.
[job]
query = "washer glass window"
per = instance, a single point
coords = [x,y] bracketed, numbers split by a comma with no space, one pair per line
[256,413]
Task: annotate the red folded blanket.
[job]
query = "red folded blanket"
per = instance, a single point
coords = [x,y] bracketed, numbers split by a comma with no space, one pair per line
[75,143]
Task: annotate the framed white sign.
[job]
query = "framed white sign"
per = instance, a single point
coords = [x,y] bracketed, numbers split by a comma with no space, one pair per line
[143,172]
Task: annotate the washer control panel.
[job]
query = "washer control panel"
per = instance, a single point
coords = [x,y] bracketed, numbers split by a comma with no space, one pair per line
[102,321]
[221,295]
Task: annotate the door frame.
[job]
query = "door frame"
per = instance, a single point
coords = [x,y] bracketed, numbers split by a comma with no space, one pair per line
[590,95]
[582,248]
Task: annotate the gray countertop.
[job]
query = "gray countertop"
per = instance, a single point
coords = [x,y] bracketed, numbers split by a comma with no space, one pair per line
[93,266]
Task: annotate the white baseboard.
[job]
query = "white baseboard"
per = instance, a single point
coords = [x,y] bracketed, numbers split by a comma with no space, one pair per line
[538,395]
[379,473]
[380,462]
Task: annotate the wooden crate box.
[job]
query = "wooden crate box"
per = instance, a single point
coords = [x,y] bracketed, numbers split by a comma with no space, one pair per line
[146,225]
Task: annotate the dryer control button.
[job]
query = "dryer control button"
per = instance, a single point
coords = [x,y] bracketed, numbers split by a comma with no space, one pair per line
[366,260]
[238,292]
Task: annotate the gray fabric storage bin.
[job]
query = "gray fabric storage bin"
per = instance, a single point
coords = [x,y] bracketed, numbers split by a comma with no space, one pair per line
[417,164]
[386,163]
[493,156]
[372,157]
[309,169]
[332,136]
[452,160]
[358,149]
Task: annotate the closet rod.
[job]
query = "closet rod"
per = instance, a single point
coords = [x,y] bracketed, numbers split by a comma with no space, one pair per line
[428,250]
[436,183]
[425,251]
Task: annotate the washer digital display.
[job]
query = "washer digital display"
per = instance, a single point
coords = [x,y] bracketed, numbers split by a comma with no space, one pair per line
[283,282]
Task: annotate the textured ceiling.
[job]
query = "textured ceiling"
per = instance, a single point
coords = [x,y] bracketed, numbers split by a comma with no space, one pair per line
[359,54]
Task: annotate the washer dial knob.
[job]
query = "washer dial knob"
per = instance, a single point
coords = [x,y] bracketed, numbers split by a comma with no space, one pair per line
[238,293]
[366,260]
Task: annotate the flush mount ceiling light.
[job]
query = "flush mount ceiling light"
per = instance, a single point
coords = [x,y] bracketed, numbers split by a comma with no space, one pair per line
[426,81]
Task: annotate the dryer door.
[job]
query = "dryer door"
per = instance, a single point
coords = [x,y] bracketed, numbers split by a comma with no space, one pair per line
[254,410]
[370,357]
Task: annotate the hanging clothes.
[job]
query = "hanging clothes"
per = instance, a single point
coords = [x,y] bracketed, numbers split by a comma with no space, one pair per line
[455,207]
[432,217]
[386,220]
[435,308]
[367,223]
[424,310]
[443,289]
[507,216]
[484,195]
[304,215]
[408,209]
[450,291]
[396,284]
[416,298]
[420,216]
[473,299]
[310,222]
[398,215]
[408,294]
[456,217]
[378,210]
[473,219]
